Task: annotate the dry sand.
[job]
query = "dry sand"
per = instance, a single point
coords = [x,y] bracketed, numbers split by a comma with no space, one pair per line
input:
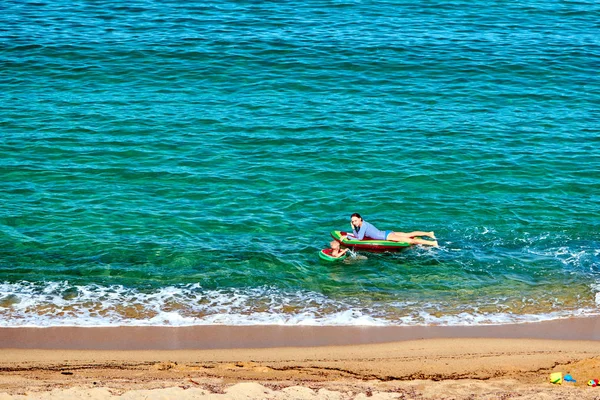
[432,368]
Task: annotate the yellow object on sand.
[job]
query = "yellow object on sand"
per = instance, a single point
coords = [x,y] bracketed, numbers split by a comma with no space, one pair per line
[556,378]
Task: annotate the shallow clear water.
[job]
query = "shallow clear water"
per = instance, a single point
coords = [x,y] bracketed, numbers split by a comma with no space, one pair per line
[166,163]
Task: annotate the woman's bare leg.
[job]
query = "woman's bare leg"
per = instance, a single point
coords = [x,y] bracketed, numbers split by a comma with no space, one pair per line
[419,233]
[433,243]
[403,237]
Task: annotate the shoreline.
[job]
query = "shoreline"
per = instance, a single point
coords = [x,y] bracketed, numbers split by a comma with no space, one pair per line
[268,336]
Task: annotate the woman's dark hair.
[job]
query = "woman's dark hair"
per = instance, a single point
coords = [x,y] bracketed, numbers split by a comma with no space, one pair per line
[357,215]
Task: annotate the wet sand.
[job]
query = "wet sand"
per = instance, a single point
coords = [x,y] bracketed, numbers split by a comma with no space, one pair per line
[227,337]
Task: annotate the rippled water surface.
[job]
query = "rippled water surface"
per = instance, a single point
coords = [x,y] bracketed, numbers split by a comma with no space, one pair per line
[177,163]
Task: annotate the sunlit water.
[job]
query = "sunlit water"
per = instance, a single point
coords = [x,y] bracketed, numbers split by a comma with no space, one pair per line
[181,163]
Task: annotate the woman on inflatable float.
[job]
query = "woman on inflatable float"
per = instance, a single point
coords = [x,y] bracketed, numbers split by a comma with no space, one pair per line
[362,229]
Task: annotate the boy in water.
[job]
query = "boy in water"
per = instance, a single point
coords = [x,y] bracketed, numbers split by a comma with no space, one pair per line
[336,251]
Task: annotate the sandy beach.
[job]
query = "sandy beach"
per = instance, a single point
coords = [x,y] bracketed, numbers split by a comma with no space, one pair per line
[493,362]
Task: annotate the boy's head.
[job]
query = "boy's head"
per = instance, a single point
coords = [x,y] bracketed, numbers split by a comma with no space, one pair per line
[335,245]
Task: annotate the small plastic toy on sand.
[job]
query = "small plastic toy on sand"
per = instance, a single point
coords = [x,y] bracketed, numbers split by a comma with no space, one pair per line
[593,382]
[569,378]
[556,378]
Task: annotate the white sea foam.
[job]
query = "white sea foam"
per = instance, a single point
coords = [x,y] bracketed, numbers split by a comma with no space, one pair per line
[63,304]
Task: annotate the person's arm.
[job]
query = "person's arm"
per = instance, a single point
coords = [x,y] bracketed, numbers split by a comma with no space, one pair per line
[338,253]
[347,234]
[342,237]
[360,235]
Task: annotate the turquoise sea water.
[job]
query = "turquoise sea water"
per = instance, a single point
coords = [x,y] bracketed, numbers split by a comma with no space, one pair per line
[181,163]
